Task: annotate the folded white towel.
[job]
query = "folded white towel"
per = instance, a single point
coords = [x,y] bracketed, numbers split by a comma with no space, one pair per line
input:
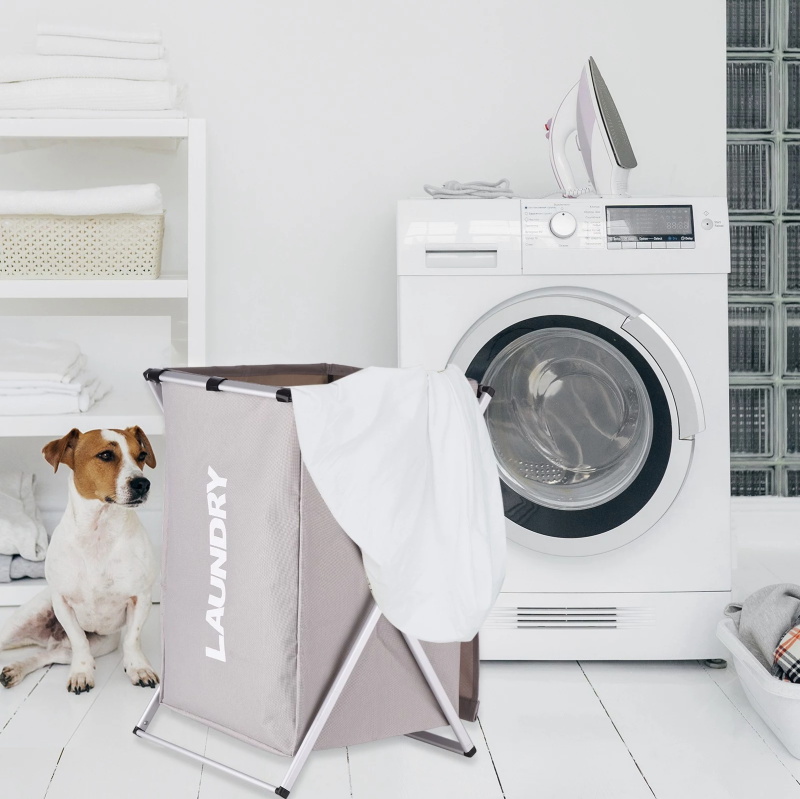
[18,388]
[27,66]
[51,404]
[54,360]
[21,528]
[140,198]
[83,45]
[148,35]
[109,94]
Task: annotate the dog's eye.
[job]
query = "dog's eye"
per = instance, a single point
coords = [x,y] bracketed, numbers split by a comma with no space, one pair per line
[141,457]
[106,455]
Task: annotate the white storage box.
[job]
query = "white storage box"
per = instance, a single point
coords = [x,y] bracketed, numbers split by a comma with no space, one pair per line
[776,701]
[103,246]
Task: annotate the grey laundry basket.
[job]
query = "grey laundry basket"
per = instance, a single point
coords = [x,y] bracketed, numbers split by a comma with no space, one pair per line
[270,632]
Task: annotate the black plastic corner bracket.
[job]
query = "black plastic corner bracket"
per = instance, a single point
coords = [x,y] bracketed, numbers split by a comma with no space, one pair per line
[213,383]
[153,375]
[136,730]
[486,390]
[471,752]
[283,395]
[281,791]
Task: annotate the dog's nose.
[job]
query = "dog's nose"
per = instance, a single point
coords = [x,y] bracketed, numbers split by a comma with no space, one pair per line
[140,486]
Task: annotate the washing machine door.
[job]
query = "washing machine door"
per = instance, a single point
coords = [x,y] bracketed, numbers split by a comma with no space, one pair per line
[593,420]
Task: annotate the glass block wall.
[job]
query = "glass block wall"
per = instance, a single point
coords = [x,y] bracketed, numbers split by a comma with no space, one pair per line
[764,285]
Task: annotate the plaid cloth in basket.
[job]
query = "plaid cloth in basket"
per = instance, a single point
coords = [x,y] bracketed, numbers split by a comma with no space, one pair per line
[787,655]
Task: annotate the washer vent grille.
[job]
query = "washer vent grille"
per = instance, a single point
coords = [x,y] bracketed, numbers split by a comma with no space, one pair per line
[570,618]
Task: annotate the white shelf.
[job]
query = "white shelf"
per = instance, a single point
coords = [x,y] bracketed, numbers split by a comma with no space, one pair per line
[167,286]
[94,419]
[18,591]
[58,128]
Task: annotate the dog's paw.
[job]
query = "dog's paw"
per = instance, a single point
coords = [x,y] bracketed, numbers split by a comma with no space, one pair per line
[11,675]
[142,675]
[80,682]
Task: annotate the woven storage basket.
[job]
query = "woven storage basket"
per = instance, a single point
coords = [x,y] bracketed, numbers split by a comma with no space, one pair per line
[108,246]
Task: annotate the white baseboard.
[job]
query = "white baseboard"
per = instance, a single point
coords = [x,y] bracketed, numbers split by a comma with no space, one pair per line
[765,522]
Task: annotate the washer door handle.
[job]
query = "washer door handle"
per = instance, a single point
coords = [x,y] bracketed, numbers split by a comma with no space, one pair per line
[691,419]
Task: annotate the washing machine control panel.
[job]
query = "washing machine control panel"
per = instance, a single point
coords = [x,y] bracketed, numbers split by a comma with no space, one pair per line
[563,223]
[598,224]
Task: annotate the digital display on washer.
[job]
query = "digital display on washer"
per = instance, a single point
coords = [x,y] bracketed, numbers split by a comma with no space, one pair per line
[649,223]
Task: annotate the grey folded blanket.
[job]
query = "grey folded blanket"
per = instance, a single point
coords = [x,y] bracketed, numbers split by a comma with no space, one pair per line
[764,617]
[14,567]
[478,189]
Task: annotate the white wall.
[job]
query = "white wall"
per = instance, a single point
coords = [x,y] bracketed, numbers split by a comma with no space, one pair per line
[322,114]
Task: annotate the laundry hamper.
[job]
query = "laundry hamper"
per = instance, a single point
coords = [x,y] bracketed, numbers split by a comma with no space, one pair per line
[270,632]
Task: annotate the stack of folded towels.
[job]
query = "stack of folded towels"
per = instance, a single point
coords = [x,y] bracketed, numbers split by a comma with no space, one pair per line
[89,71]
[45,377]
[23,538]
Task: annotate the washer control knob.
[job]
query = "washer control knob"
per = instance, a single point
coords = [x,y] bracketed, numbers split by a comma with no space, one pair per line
[563,225]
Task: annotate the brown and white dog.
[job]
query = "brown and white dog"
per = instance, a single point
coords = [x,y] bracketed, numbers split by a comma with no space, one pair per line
[100,565]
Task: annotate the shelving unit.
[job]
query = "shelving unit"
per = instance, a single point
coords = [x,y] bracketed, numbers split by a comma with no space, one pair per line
[129,403]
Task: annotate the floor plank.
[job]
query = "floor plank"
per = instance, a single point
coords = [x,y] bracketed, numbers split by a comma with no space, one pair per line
[105,758]
[401,768]
[26,770]
[686,736]
[543,720]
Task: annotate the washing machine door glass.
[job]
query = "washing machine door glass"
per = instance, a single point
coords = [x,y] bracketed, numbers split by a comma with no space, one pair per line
[572,424]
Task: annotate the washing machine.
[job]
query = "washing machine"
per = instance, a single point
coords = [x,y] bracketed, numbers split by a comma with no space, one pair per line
[602,325]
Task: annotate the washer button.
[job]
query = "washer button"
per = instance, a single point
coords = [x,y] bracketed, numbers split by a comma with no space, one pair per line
[707,224]
[659,245]
[628,245]
[673,245]
[614,245]
[644,245]
[687,245]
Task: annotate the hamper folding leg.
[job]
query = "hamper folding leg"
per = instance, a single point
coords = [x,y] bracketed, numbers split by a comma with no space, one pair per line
[270,632]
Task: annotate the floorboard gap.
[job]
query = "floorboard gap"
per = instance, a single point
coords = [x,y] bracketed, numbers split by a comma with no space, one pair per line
[605,710]
[483,733]
[36,685]
[349,775]
[50,781]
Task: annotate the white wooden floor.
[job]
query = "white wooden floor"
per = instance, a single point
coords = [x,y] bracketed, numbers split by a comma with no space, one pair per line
[563,730]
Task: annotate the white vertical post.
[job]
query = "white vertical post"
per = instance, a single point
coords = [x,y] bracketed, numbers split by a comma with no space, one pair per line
[196,242]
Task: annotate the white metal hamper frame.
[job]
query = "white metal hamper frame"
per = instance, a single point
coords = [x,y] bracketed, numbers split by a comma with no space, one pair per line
[462,745]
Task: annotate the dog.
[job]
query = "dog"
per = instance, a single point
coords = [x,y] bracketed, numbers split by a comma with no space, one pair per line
[100,565]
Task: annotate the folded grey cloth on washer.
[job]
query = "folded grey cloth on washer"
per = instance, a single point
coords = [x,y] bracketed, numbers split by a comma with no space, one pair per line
[478,189]
[13,567]
[764,617]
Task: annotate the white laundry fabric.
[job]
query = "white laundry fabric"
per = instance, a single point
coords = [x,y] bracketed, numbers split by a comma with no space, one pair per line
[51,403]
[107,94]
[28,66]
[148,35]
[54,360]
[103,48]
[402,458]
[15,388]
[21,528]
[139,198]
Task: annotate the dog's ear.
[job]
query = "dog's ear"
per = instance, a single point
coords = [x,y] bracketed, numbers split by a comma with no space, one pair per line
[139,435]
[62,450]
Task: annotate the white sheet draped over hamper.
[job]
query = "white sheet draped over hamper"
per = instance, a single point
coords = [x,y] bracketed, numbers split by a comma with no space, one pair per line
[403,459]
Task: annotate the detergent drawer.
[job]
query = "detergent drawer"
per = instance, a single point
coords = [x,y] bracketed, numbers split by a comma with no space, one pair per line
[459,237]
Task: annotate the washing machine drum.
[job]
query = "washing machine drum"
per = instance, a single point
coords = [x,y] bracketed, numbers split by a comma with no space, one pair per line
[573,424]
[582,432]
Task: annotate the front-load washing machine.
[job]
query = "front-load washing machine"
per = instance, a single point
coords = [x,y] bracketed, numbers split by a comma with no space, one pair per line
[602,325]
